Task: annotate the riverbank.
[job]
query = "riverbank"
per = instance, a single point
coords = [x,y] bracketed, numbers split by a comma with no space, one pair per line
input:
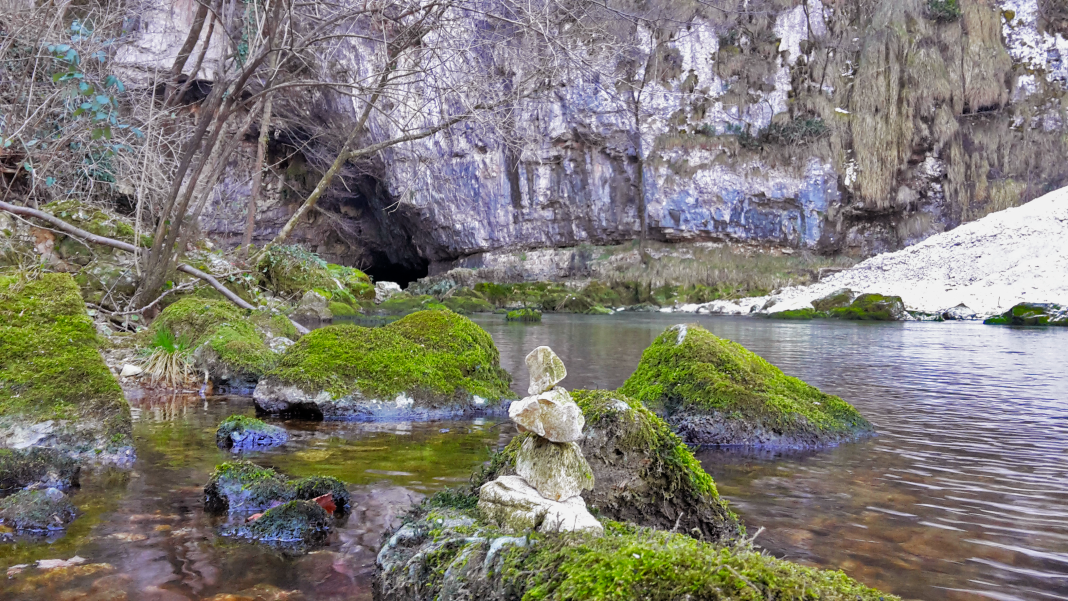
[1018,255]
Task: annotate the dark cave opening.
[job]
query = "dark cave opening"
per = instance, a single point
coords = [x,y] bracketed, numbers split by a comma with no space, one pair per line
[382,269]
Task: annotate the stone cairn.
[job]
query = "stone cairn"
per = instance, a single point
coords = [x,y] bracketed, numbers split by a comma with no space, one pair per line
[545,495]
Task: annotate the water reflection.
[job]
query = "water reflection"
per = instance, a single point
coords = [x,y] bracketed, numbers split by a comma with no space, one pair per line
[963,495]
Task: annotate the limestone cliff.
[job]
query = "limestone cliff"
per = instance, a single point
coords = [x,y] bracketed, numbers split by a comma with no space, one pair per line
[838,126]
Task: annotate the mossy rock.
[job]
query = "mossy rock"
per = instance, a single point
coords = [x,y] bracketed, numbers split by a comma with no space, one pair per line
[642,471]
[465,305]
[39,510]
[715,392]
[296,524]
[242,486]
[428,364]
[796,314]
[449,553]
[49,467]
[872,307]
[241,433]
[1032,314]
[835,300]
[528,315]
[290,271]
[230,343]
[55,390]
[94,220]
[338,309]
[599,310]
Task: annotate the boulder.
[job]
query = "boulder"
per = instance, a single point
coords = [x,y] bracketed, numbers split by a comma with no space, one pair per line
[715,392]
[313,306]
[552,415]
[835,300]
[241,433]
[385,291]
[242,486]
[1032,314]
[428,365]
[37,510]
[546,370]
[47,467]
[297,522]
[56,390]
[872,307]
[959,313]
[515,506]
[557,470]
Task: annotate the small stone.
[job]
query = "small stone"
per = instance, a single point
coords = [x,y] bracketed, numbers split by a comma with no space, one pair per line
[552,415]
[546,369]
[516,506]
[557,470]
[129,371]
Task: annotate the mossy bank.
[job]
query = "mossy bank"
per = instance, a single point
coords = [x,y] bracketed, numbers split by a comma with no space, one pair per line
[55,390]
[429,364]
[716,392]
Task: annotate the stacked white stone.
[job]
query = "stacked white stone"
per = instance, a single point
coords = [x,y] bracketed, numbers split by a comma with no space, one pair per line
[545,495]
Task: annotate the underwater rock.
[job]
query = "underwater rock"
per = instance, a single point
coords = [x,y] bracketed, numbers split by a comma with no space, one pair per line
[516,506]
[715,392]
[295,522]
[552,415]
[36,510]
[558,471]
[428,365]
[57,391]
[1032,314]
[48,467]
[244,486]
[240,433]
[546,370]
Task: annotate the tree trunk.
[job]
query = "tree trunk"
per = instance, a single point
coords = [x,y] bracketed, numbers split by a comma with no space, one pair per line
[257,176]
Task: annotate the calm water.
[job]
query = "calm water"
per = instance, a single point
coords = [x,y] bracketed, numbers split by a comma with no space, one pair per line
[964,495]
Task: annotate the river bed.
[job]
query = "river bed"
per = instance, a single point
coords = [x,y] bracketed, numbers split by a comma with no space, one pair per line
[963,495]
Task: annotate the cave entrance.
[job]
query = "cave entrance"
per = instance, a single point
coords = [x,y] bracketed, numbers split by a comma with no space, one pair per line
[383,269]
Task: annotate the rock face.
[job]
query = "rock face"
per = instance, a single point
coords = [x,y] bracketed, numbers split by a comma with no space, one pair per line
[558,471]
[546,370]
[430,364]
[516,506]
[715,392]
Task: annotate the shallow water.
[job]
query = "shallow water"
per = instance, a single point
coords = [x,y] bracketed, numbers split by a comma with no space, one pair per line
[964,494]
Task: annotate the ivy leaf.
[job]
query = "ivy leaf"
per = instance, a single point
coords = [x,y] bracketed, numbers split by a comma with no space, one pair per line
[50,181]
[97,133]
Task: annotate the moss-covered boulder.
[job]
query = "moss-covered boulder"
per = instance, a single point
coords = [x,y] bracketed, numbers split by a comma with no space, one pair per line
[716,392]
[445,551]
[872,307]
[48,467]
[836,300]
[796,314]
[1032,314]
[291,271]
[642,471]
[429,364]
[55,390]
[297,524]
[529,315]
[242,486]
[243,433]
[234,346]
[36,511]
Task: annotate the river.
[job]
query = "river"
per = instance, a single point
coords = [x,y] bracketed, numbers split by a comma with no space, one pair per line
[963,495]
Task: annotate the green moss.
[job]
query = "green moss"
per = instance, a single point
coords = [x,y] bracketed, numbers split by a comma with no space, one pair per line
[467,303]
[871,307]
[404,304]
[236,336]
[435,356]
[51,368]
[290,271]
[523,315]
[796,314]
[341,309]
[688,372]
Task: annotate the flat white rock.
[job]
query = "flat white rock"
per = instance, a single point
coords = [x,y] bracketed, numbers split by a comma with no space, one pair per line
[557,470]
[546,370]
[553,415]
[129,370]
[514,505]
